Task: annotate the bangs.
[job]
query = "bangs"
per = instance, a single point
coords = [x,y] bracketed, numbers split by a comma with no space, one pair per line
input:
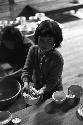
[45,33]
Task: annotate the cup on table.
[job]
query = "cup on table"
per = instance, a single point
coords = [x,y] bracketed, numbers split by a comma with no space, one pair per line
[32,18]
[40,15]
[3,23]
[59,97]
[21,19]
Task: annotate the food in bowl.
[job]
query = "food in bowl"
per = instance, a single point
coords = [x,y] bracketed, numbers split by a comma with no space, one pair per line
[80,110]
[31,100]
[16,120]
[5,117]
[59,96]
[31,96]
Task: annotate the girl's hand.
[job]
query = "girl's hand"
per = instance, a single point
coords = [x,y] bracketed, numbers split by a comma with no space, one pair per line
[41,91]
[33,91]
[25,88]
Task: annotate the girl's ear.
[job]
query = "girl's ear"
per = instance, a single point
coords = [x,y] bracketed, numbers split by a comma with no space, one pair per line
[54,46]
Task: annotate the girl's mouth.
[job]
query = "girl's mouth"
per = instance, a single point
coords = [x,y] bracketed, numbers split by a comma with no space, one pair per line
[43,48]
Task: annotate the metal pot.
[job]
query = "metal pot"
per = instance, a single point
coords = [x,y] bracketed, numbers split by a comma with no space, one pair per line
[9,91]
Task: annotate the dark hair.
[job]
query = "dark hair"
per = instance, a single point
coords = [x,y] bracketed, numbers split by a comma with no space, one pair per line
[12,34]
[49,28]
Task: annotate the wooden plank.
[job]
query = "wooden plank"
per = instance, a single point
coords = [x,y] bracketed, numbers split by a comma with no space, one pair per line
[53,6]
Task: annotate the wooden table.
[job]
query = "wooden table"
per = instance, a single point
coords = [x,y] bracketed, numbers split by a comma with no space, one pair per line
[58,6]
[49,113]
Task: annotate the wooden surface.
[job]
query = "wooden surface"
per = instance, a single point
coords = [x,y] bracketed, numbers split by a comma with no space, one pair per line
[72,51]
[56,7]
[49,113]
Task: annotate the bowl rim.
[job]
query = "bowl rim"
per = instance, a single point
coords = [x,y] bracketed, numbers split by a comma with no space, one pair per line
[57,100]
[29,101]
[75,85]
[19,85]
[80,111]
[6,120]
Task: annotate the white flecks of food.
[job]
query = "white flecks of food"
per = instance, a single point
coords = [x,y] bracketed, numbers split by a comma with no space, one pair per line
[16,120]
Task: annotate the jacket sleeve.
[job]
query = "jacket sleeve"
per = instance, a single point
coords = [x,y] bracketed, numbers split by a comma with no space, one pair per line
[28,67]
[54,79]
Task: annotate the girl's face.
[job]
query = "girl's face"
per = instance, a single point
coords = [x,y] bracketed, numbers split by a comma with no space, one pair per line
[45,43]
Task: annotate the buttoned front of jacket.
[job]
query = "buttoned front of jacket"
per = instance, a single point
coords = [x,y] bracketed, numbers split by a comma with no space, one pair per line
[43,69]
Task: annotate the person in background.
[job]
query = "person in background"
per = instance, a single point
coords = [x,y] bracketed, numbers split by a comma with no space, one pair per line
[75,2]
[13,50]
[44,63]
[11,8]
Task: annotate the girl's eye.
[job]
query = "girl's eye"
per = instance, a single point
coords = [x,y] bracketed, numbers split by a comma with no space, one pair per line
[49,41]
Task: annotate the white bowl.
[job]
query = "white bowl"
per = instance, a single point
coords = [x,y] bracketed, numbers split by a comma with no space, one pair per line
[30,100]
[80,110]
[59,97]
[5,117]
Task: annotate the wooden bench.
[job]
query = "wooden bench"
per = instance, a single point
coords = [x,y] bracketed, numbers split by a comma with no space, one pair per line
[57,7]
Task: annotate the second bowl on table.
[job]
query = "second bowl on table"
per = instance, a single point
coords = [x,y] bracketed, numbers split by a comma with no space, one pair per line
[59,97]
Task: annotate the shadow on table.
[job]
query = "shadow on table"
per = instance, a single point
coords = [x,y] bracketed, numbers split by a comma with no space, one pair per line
[63,17]
[42,118]
[52,107]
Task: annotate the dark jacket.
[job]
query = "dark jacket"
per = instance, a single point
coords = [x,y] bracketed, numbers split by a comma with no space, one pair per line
[43,69]
[16,58]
